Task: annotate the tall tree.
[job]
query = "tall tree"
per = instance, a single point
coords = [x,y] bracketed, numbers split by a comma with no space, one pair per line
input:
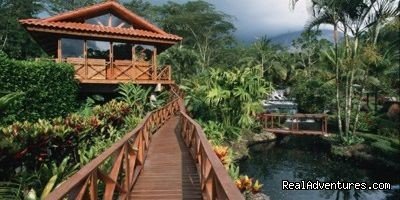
[358,18]
[141,7]
[14,40]
[203,27]
[59,6]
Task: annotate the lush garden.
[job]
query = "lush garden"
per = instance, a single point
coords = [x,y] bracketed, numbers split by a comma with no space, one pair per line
[349,77]
[47,134]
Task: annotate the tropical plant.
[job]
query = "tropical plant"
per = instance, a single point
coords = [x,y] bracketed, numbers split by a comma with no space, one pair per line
[233,171]
[247,186]
[224,155]
[360,18]
[230,97]
[10,190]
[313,95]
[136,97]
[86,108]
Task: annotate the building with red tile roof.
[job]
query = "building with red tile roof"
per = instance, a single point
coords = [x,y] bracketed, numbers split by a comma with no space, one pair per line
[106,43]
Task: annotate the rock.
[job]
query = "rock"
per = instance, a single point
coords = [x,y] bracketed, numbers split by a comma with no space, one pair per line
[258,196]
[262,137]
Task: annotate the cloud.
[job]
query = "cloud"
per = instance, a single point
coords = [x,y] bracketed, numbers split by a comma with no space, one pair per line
[260,17]
[254,18]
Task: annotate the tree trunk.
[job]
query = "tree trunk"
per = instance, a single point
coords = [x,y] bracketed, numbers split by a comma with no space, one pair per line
[337,79]
[359,103]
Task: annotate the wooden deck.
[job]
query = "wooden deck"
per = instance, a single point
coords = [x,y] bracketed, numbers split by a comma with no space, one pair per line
[169,171]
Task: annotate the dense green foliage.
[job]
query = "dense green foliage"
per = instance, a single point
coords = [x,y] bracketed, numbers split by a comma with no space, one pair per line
[313,95]
[59,6]
[224,83]
[226,100]
[30,147]
[14,40]
[367,56]
[49,89]
[46,152]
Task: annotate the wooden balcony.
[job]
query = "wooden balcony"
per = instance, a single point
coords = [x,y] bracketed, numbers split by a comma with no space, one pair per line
[101,71]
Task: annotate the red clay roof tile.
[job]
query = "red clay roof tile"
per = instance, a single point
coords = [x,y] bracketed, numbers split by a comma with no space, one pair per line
[91,28]
[104,6]
[62,21]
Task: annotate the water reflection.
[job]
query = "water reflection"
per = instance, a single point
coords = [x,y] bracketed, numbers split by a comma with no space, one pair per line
[287,162]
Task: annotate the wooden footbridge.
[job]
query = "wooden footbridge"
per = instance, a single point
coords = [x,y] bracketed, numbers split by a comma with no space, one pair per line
[167,156]
[296,124]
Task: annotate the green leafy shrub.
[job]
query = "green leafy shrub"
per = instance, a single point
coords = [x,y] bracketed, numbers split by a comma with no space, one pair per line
[366,122]
[231,99]
[49,89]
[34,143]
[138,98]
[217,133]
[387,127]
[313,95]
[46,152]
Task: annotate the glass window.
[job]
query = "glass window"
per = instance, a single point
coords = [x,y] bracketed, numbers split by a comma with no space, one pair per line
[104,20]
[72,48]
[144,52]
[98,49]
[101,20]
[117,22]
[122,51]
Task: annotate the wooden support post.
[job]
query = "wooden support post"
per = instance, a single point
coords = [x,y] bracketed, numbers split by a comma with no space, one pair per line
[154,75]
[133,58]
[169,73]
[279,120]
[265,120]
[292,125]
[59,50]
[85,56]
[111,68]
[272,121]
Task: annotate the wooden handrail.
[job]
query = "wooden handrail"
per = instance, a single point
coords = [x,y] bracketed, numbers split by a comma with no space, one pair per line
[299,115]
[127,157]
[164,73]
[215,181]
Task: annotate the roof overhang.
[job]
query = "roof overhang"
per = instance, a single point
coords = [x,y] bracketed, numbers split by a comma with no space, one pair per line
[71,25]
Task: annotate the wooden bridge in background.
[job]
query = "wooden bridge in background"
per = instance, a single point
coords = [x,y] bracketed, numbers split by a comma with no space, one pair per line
[296,124]
[167,156]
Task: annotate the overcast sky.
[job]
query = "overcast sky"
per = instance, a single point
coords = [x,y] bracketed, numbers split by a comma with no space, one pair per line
[255,18]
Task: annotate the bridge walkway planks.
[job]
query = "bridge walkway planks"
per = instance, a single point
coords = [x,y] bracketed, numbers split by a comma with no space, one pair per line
[169,171]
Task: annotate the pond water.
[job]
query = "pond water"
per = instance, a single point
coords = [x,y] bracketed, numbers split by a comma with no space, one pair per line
[301,158]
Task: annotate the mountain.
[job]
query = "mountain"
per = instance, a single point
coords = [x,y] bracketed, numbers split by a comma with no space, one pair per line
[287,38]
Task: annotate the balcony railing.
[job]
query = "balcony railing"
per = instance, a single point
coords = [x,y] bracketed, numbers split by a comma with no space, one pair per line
[93,70]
